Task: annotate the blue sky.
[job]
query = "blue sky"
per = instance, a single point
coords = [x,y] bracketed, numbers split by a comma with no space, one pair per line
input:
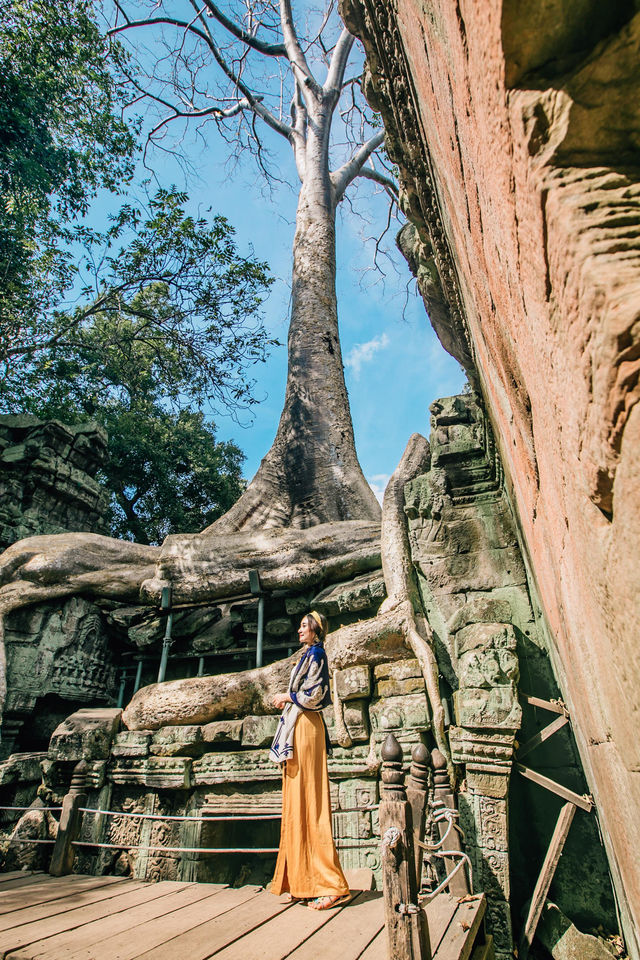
[394,364]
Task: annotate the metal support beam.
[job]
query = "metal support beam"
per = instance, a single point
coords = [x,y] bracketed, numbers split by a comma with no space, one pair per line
[165,605]
[256,590]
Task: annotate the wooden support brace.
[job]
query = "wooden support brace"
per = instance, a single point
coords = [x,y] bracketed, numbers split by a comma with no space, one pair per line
[542,735]
[553,706]
[546,876]
[584,802]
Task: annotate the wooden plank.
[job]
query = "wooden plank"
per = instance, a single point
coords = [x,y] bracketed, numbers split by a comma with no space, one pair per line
[546,876]
[71,915]
[463,929]
[29,914]
[217,932]
[541,736]
[552,706]
[53,890]
[168,927]
[83,936]
[20,875]
[378,949]
[286,931]
[440,913]
[585,803]
[26,880]
[353,929]
[484,951]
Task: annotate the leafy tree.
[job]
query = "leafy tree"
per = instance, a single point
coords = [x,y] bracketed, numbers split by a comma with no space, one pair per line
[62,138]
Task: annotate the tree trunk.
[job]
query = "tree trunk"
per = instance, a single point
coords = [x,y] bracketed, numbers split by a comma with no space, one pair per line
[311,474]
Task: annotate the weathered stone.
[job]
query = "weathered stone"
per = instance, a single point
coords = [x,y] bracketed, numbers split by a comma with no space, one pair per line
[496,708]
[222,731]
[397,713]
[353,683]
[400,670]
[279,627]
[298,604]
[353,596]
[131,743]
[85,735]
[488,668]
[357,793]
[156,773]
[235,767]
[399,688]
[47,477]
[21,768]
[258,731]
[564,941]
[176,741]
[484,636]
[355,825]
[355,718]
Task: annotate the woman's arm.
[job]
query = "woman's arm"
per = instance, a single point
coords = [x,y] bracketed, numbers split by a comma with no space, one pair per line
[279,700]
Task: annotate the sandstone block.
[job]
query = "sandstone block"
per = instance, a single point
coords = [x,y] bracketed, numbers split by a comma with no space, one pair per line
[564,941]
[352,762]
[296,606]
[246,766]
[485,636]
[399,670]
[357,793]
[258,731]
[279,627]
[398,688]
[351,596]
[177,741]
[355,825]
[480,609]
[354,682]
[85,735]
[222,731]
[497,707]
[131,743]
[399,713]
[488,668]
[355,718]
[157,773]
[21,768]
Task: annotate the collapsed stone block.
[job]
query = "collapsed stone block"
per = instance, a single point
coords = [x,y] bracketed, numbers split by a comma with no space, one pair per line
[85,735]
[354,682]
[177,741]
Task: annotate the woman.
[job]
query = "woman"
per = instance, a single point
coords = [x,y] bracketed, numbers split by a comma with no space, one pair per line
[308,867]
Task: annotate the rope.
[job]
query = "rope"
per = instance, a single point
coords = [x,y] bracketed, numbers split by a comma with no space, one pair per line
[459,864]
[223,817]
[391,838]
[28,840]
[125,846]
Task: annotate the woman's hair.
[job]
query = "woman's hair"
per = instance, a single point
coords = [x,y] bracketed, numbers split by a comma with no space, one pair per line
[319,624]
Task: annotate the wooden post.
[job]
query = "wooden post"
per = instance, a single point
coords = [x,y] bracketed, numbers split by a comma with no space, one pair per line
[417,795]
[405,921]
[70,821]
[546,876]
[445,800]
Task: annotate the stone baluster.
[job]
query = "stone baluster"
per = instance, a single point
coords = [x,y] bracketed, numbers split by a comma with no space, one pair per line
[406,923]
[445,800]
[418,795]
[70,822]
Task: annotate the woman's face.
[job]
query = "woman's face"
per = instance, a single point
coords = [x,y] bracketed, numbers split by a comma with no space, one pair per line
[305,633]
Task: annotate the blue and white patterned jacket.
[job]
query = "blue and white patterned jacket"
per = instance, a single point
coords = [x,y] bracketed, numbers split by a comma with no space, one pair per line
[309,689]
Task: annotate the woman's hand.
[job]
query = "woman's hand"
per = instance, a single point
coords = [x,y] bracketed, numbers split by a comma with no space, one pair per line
[280,699]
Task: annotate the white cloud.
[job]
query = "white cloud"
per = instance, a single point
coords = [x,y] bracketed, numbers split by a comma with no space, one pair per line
[378,483]
[365,352]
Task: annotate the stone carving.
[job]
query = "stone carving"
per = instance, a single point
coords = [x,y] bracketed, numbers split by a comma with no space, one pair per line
[47,472]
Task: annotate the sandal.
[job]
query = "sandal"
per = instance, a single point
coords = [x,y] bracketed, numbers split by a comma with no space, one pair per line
[325,903]
[289,898]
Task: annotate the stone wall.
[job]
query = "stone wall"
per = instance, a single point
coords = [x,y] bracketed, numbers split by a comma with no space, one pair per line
[47,478]
[515,129]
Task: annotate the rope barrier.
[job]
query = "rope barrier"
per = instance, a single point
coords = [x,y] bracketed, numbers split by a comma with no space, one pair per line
[27,840]
[463,858]
[126,846]
[209,819]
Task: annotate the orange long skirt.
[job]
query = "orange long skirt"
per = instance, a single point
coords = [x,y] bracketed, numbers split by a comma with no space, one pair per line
[307,864]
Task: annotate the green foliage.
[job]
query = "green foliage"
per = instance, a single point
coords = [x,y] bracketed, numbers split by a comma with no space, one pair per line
[62,138]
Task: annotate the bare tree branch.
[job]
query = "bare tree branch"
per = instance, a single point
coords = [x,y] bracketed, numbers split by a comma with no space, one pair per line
[295,54]
[349,171]
[370,173]
[270,49]
[339,62]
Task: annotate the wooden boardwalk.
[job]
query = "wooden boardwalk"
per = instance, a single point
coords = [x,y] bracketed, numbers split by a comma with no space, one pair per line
[110,918]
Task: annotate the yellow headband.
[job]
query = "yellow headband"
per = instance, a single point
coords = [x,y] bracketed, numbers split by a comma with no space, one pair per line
[318,619]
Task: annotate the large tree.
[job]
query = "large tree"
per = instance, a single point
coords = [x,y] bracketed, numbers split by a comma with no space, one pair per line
[251,71]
